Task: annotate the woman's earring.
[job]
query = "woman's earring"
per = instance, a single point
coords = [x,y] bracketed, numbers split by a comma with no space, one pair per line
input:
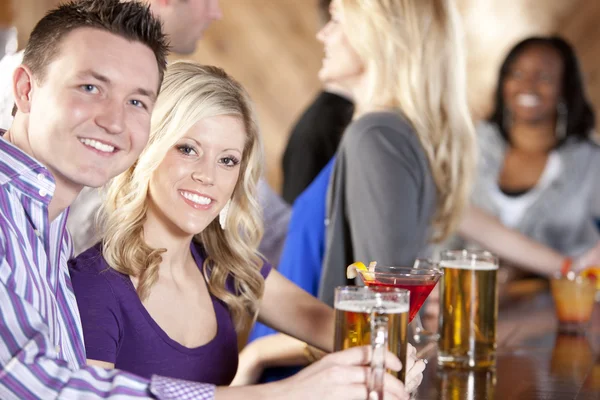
[562,114]
[223,214]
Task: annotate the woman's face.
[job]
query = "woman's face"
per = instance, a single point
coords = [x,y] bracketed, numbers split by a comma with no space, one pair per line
[341,64]
[532,88]
[198,175]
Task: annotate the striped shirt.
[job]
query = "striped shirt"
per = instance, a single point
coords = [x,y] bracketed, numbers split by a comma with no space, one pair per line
[42,353]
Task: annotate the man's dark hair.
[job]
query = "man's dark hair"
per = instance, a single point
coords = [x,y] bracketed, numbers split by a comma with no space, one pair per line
[131,20]
[580,118]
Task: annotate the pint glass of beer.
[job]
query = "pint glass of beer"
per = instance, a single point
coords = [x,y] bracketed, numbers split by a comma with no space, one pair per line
[376,317]
[468,309]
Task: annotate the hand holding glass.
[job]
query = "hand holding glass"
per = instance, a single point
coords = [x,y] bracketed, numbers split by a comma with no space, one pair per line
[379,318]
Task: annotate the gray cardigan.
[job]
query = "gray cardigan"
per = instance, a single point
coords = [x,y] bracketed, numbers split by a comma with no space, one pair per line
[381,199]
[562,216]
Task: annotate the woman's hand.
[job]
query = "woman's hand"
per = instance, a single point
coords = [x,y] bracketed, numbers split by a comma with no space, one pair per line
[414,369]
[341,375]
[250,366]
[344,375]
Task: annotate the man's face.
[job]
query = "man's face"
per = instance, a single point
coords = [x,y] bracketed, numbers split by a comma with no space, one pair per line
[186,20]
[89,117]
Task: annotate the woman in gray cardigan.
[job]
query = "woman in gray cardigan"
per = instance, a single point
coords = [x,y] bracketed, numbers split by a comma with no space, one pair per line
[403,169]
[404,165]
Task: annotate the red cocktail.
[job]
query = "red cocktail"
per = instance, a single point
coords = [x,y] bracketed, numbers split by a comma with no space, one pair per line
[419,280]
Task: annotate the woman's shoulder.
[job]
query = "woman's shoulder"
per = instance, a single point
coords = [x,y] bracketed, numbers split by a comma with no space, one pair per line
[582,152]
[100,292]
[89,261]
[90,271]
[375,131]
[386,136]
[387,120]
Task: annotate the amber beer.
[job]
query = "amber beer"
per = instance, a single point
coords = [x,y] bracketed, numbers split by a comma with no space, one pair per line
[353,320]
[468,309]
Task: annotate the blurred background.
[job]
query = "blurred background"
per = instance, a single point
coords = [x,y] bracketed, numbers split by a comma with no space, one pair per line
[270,47]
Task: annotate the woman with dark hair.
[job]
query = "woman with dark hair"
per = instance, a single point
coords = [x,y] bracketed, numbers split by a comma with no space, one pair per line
[568,112]
[538,162]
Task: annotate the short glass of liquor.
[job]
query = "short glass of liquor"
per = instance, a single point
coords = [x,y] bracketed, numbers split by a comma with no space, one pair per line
[574,301]
[468,309]
[419,280]
[377,318]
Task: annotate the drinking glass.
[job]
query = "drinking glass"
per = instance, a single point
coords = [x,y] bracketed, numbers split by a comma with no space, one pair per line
[379,318]
[468,309]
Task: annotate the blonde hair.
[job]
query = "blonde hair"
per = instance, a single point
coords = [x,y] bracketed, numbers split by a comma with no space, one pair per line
[190,93]
[414,59]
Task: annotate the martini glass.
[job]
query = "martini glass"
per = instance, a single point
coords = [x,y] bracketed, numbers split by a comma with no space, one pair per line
[419,280]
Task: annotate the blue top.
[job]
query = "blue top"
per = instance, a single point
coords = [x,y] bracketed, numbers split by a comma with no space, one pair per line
[304,247]
[118,329]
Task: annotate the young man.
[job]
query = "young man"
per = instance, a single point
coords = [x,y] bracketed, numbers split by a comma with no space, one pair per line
[84,95]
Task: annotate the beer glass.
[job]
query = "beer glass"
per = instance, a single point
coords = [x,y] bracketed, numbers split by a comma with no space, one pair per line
[468,309]
[364,316]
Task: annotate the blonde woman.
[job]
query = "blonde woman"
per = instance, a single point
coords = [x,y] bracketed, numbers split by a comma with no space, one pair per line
[402,173]
[177,274]
[404,166]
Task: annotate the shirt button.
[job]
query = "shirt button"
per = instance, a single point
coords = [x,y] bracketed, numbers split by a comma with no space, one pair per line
[37,233]
[326,221]
[40,177]
[43,192]
[57,348]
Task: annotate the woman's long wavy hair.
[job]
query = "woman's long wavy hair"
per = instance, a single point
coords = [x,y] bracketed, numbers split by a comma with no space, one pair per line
[414,59]
[190,93]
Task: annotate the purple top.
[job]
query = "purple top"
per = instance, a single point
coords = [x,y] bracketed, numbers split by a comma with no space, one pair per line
[118,329]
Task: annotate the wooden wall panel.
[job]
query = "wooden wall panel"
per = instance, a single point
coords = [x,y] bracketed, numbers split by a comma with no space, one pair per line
[270,47]
[6,15]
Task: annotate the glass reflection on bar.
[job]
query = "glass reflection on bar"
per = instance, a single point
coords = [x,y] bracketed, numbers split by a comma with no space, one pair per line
[457,384]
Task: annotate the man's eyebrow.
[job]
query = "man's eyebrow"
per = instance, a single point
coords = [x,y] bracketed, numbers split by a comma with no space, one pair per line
[102,78]
[96,75]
